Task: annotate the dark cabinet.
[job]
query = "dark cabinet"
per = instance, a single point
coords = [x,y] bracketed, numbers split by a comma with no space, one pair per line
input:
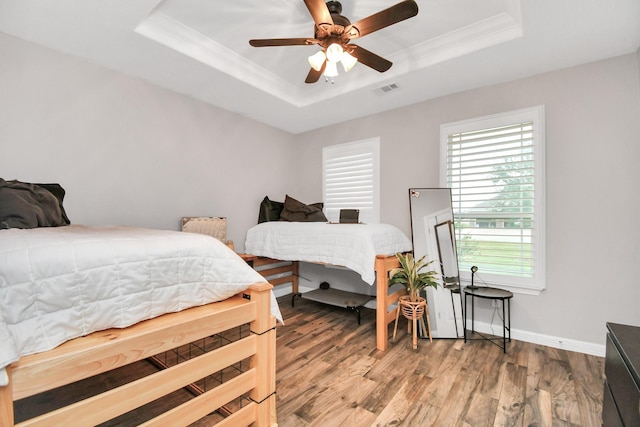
[621,397]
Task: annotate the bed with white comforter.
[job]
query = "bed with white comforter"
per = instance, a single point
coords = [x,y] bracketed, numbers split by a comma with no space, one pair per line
[59,283]
[354,246]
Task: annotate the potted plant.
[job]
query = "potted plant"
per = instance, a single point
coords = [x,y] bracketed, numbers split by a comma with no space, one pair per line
[410,274]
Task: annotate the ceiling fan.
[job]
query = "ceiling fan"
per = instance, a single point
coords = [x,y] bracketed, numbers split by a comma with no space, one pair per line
[334,33]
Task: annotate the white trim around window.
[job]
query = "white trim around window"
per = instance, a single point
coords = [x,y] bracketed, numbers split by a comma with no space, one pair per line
[351,179]
[495,167]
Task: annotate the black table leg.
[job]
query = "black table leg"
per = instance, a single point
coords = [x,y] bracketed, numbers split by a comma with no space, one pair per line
[504,330]
[509,317]
[473,315]
[464,318]
[493,294]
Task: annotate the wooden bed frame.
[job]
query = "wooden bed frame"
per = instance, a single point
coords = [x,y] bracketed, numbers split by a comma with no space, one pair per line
[104,351]
[386,302]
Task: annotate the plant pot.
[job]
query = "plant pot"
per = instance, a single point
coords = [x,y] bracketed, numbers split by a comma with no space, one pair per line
[413,312]
[412,309]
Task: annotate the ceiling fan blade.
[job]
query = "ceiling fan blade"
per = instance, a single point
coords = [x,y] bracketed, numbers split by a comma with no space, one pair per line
[314,75]
[282,42]
[319,12]
[394,14]
[370,59]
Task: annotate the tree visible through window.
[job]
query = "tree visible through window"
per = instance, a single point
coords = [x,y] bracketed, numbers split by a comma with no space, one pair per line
[495,169]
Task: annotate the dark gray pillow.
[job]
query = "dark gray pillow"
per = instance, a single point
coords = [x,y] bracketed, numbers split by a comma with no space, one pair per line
[296,211]
[269,210]
[26,205]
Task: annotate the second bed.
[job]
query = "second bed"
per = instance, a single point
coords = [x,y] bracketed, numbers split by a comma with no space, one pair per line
[367,249]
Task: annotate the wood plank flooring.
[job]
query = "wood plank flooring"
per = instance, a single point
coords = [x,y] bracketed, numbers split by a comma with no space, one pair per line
[329,373]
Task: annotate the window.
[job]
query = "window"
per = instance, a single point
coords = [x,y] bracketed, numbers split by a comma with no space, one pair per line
[495,168]
[351,179]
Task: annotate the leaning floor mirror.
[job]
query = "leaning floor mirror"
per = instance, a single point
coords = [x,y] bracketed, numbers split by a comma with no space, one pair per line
[433,235]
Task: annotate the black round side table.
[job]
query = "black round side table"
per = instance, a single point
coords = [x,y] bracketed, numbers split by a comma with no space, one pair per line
[490,293]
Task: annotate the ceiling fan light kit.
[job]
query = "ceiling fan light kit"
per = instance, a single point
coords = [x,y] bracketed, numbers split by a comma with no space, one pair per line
[331,69]
[317,60]
[334,33]
[348,61]
[334,52]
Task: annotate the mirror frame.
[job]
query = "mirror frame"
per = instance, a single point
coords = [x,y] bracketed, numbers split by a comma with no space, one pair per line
[431,215]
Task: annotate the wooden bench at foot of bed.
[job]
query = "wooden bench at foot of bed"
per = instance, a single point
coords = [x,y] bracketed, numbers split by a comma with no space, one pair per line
[107,350]
[280,272]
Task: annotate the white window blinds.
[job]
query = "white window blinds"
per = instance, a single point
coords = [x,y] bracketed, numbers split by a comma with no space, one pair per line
[496,180]
[351,179]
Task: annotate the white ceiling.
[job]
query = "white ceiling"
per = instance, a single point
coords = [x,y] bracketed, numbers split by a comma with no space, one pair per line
[200,48]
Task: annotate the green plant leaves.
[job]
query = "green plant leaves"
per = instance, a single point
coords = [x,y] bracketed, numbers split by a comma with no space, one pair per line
[411,276]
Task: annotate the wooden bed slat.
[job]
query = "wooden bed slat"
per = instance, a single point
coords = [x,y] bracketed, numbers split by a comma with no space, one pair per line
[267,272]
[130,396]
[242,417]
[281,280]
[260,261]
[103,351]
[206,403]
[106,350]
[279,274]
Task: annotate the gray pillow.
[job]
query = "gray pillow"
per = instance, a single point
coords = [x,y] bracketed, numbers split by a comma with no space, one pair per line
[269,210]
[296,211]
[26,205]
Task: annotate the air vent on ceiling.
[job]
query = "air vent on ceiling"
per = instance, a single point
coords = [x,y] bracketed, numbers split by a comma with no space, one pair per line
[388,88]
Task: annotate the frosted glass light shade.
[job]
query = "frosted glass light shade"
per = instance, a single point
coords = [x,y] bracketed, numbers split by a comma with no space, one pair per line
[331,70]
[334,52]
[316,60]
[348,61]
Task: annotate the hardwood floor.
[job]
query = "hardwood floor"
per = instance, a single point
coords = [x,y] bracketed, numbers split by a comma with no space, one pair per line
[329,373]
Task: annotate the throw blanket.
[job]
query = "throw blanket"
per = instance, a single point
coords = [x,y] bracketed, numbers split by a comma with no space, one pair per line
[25,205]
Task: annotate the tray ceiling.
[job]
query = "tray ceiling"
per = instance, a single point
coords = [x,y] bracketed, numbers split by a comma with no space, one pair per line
[200,48]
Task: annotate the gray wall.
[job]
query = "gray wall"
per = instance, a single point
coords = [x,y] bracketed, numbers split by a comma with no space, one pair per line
[131,153]
[128,152]
[592,150]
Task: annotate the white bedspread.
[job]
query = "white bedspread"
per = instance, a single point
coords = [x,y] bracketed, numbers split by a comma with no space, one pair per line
[64,282]
[354,246]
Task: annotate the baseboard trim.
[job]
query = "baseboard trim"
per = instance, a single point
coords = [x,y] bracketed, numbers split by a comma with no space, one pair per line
[516,334]
[541,339]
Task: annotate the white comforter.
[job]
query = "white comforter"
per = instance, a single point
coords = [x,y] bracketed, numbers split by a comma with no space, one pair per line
[64,282]
[354,246]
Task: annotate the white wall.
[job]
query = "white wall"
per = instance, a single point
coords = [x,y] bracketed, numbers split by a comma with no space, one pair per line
[638,70]
[593,233]
[128,152]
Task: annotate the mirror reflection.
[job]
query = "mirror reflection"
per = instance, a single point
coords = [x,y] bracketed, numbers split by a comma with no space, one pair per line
[433,235]
[445,240]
